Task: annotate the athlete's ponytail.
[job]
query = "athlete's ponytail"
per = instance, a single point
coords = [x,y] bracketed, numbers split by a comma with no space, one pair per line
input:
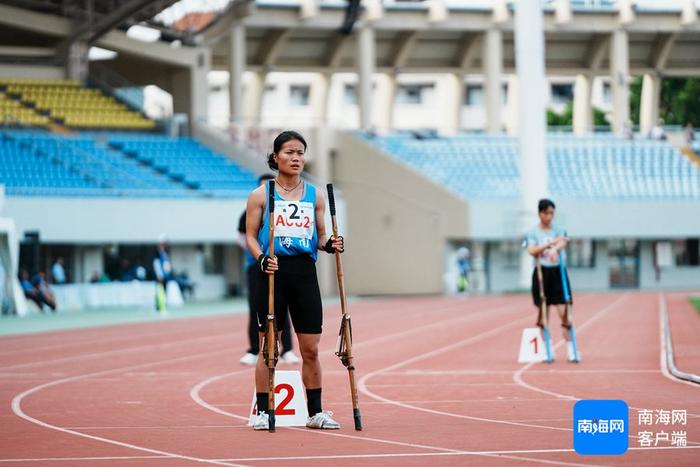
[271,161]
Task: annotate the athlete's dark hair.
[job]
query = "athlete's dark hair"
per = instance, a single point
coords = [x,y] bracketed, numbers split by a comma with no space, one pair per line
[545,204]
[282,138]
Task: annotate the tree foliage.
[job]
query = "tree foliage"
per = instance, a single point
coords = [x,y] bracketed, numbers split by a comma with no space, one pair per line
[679,102]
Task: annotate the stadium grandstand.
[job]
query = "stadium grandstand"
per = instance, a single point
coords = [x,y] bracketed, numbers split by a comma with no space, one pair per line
[158,114]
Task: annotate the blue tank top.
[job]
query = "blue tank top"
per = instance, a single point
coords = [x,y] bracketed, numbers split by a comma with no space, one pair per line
[295,225]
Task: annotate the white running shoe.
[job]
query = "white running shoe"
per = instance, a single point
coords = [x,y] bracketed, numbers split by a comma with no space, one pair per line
[249,359]
[322,421]
[290,358]
[261,421]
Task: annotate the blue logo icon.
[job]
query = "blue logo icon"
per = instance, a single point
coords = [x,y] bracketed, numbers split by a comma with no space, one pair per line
[601,427]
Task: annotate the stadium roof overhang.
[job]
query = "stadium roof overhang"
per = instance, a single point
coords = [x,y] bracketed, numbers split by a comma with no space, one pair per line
[279,39]
[43,29]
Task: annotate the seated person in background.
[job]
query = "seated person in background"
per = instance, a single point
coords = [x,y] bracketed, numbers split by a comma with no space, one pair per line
[34,293]
[42,287]
[658,132]
[186,285]
[96,277]
[133,272]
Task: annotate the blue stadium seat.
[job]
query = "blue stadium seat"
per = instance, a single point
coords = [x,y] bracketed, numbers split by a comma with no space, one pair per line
[142,165]
[591,167]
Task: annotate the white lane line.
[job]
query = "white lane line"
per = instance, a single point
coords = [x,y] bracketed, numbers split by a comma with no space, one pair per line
[154,427]
[362,384]
[510,372]
[517,375]
[194,394]
[17,406]
[159,332]
[443,454]
[424,401]
[117,351]
[83,459]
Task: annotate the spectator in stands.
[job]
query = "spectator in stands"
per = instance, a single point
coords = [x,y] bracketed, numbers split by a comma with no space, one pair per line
[185,283]
[37,290]
[251,356]
[58,273]
[95,277]
[5,290]
[162,265]
[132,272]
[42,287]
[128,271]
[658,132]
[464,266]
[163,270]
[689,134]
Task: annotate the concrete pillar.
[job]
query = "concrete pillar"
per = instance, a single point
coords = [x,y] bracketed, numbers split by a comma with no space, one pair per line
[493,70]
[320,144]
[236,68]
[513,105]
[529,59]
[453,115]
[190,88]
[252,100]
[583,106]
[77,68]
[386,95]
[319,98]
[619,72]
[689,12]
[649,106]
[199,89]
[562,11]
[365,69]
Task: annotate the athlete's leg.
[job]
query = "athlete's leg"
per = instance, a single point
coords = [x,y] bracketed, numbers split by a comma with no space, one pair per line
[311,367]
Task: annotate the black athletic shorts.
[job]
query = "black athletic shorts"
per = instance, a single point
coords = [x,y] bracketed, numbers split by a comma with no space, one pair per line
[296,288]
[553,290]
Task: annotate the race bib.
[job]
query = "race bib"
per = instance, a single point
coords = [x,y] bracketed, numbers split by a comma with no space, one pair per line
[294,219]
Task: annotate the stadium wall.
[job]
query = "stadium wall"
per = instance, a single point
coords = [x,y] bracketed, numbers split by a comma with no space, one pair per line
[399,223]
[673,277]
[497,220]
[31,72]
[502,276]
[104,220]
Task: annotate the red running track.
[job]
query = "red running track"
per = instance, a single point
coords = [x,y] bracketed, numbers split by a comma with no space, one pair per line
[439,383]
